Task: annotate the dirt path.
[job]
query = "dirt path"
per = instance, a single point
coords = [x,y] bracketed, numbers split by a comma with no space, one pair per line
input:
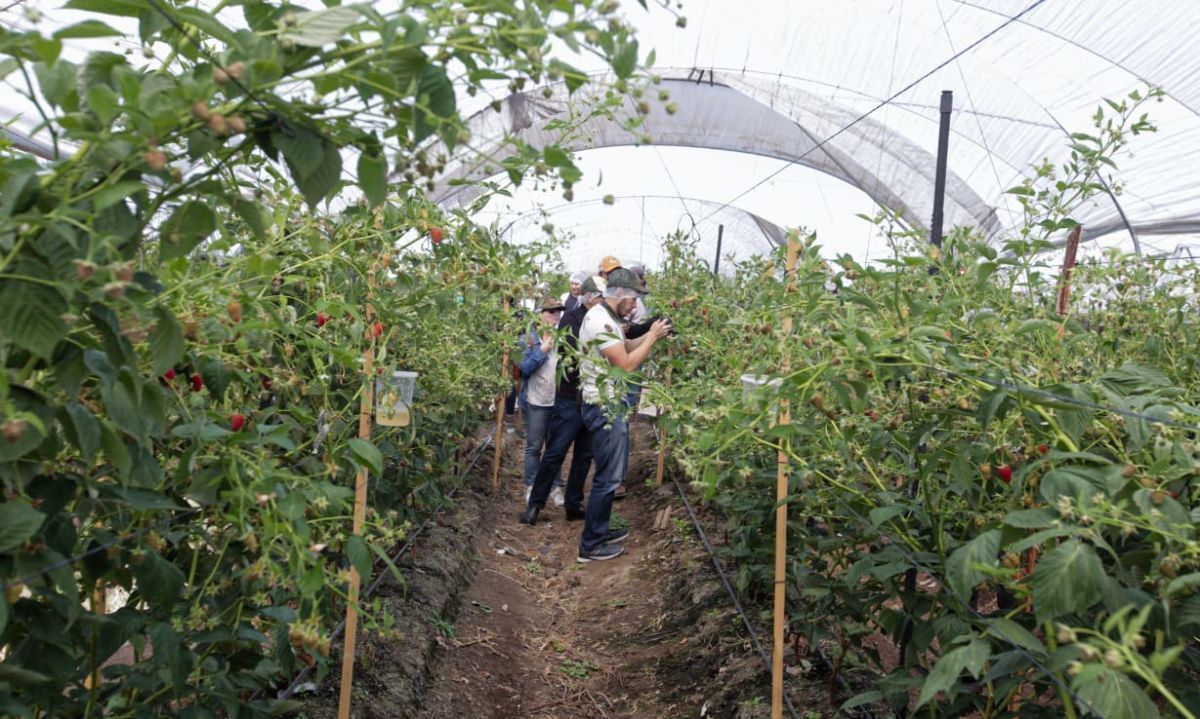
[540,635]
[496,620]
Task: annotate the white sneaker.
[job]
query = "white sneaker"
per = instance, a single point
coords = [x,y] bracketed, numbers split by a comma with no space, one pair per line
[528,491]
[556,495]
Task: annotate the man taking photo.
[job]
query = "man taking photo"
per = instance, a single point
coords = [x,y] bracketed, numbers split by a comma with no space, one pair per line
[604,349]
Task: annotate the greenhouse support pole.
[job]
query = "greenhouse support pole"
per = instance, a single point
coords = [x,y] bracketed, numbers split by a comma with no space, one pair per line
[717,259]
[500,414]
[939,180]
[781,493]
[360,507]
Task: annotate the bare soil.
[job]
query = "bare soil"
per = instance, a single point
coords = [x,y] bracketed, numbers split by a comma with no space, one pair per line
[499,621]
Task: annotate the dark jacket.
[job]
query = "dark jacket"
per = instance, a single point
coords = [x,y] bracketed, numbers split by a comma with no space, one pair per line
[572,320]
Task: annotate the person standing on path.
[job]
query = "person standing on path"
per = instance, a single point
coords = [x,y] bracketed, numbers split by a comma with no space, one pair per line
[566,426]
[605,412]
[572,299]
[608,264]
[538,368]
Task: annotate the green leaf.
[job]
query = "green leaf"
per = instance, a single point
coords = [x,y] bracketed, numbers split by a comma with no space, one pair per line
[191,223]
[206,22]
[436,101]
[1110,694]
[104,102]
[31,316]
[252,214]
[321,27]
[314,162]
[359,556]
[372,178]
[1031,518]
[57,82]
[624,59]
[158,580]
[945,673]
[86,29]
[113,194]
[126,8]
[166,341]
[18,522]
[961,572]
[1179,584]
[869,697]
[1013,633]
[143,500]
[368,454]
[13,674]
[85,431]
[1069,578]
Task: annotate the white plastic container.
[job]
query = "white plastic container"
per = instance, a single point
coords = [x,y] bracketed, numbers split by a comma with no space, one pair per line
[393,399]
[754,383]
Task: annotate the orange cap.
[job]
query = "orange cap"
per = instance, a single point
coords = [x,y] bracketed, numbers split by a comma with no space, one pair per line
[610,263]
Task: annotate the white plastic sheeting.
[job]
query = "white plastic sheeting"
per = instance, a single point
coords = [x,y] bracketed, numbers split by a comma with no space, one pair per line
[1019,88]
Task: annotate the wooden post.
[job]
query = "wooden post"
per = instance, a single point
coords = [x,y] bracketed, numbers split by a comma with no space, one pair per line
[360,507]
[781,493]
[500,414]
[662,429]
[1068,269]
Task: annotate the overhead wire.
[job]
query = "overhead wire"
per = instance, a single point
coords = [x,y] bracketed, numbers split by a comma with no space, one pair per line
[882,104]
[978,123]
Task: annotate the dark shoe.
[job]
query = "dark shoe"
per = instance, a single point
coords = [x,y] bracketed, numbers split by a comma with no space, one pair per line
[616,535]
[601,553]
[574,515]
[621,491]
[529,516]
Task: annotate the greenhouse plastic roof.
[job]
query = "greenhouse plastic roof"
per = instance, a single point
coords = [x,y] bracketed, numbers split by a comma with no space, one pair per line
[849,91]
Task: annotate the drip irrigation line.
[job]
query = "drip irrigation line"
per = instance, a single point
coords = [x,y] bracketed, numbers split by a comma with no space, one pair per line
[883,103]
[741,610]
[337,632]
[120,539]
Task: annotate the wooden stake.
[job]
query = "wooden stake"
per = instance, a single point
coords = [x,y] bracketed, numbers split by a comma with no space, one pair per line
[500,415]
[781,493]
[360,510]
[1068,269]
[662,428]
[1064,279]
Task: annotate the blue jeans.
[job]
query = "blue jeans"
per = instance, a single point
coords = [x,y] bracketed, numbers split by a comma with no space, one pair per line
[610,443]
[566,428]
[537,419]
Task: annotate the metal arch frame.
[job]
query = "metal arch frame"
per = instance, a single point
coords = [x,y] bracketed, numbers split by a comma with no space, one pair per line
[525,114]
[774,233]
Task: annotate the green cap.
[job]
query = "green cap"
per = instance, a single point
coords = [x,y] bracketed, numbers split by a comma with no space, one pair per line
[622,277]
[593,285]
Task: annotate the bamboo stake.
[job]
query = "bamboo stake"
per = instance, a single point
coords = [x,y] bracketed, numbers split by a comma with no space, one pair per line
[360,508]
[662,428]
[781,492]
[500,415]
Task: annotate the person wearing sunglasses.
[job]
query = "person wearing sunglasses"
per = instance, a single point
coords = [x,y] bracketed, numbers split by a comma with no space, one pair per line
[538,367]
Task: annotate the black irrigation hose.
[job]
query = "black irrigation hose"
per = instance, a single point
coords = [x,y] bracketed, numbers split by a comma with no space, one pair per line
[737,605]
[337,632]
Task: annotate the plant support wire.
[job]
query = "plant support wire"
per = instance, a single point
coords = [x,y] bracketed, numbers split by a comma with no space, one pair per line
[737,605]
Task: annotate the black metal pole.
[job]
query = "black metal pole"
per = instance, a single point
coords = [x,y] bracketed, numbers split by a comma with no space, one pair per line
[717,261]
[939,182]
